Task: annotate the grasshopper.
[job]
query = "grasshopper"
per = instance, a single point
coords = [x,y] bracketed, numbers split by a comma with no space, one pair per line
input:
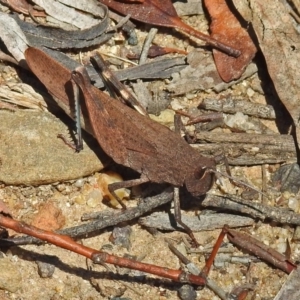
[129,138]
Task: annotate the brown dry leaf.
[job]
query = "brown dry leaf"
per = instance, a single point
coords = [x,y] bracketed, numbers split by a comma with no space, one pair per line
[23,7]
[163,13]
[227,29]
[280,44]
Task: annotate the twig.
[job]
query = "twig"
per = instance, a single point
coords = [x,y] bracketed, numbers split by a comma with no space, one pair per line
[99,257]
[118,57]
[104,219]
[194,270]
[162,221]
[248,149]
[255,210]
[264,182]
[252,245]
[120,23]
[147,45]
[230,105]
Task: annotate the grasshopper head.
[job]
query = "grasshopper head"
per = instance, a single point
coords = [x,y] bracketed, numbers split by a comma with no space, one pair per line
[199,181]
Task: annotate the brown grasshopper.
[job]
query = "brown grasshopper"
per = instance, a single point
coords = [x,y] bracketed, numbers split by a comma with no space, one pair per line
[129,138]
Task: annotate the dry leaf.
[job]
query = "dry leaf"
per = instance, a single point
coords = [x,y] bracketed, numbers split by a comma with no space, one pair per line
[67,14]
[12,36]
[58,38]
[163,13]
[23,7]
[226,28]
[280,44]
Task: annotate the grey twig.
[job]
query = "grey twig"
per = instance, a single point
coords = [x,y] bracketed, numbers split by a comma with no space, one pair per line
[105,219]
[147,45]
[248,149]
[255,210]
[162,221]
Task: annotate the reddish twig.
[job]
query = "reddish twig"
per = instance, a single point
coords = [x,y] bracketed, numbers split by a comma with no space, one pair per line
[253,246]
[64,241]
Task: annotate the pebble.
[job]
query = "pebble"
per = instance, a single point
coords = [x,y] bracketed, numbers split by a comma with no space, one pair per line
[45,270]
[94,198]
[49,217]
[79,183]
[187,292]
[296,236]
[287,178]
[250,92]
[166,117]
[121,236]
[80,199]
[293,204]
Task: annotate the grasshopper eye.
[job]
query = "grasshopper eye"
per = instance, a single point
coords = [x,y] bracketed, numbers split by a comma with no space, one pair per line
[199,181]
[199,173]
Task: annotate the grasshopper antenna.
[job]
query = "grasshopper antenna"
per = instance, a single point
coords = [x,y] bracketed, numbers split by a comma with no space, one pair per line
[236,181]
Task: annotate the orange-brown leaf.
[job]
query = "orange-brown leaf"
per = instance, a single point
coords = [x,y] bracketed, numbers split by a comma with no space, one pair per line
[227,29]
[22,6]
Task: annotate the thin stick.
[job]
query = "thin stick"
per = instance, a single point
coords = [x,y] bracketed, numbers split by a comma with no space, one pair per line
[206,38]
[147,45]
[255,210]
[194,270]
[118,57]
[260,249]
[103,220]
[100,257]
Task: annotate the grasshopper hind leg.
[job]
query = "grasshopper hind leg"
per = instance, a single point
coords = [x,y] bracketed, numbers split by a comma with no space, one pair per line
[177,214]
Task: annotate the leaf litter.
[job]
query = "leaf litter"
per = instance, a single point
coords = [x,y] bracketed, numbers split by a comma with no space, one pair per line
[64,194]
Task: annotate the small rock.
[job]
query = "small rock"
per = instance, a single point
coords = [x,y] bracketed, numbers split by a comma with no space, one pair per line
[191,7]
[94,198]
[45,269]
[121,236]
[187,292]
[166,117]
[49,217]
[39,157]
[80,199]
[293,204]
[10,279]
[79,183]
[296,236]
